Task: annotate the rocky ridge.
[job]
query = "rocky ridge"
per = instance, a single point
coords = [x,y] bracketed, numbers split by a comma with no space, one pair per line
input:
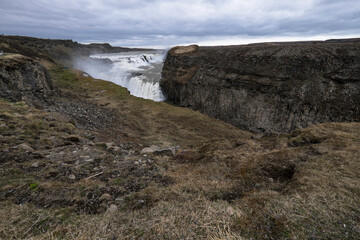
[23,79]
[273,87]
[56,50]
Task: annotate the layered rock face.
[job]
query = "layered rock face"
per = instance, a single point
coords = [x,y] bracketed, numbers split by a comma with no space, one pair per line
[56,50]
[274,87]
[23,79]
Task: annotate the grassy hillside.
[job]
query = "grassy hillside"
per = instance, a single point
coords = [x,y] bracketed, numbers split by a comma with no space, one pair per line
[223,183]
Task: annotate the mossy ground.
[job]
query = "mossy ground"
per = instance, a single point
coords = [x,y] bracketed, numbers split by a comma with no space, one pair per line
[222,184]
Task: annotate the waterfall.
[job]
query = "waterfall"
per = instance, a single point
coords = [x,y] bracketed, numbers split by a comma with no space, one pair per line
[139,72]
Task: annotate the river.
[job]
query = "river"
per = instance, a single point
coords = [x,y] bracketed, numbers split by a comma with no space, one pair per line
[139,72]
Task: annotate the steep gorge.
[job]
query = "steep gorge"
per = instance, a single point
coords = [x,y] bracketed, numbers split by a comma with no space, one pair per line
[274,87]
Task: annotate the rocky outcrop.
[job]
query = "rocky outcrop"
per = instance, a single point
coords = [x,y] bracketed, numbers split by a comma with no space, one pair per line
[56,50]
[23,79]
[274,87]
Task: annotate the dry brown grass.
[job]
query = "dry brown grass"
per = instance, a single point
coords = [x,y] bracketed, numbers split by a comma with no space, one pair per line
[185,49]
[301,185]
[150,122]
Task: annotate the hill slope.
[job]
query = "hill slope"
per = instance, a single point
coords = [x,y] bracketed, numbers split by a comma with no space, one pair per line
[76,171]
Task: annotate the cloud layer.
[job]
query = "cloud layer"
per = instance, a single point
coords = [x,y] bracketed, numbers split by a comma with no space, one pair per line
[171,22]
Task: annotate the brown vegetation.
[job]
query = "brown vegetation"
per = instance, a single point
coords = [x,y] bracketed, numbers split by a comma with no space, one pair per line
[222,183]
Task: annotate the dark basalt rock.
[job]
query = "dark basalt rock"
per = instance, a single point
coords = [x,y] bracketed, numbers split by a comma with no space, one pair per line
[23,79]
[274,87]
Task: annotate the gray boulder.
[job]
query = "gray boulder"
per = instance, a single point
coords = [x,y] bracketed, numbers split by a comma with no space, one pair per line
[25,147]
[157,151]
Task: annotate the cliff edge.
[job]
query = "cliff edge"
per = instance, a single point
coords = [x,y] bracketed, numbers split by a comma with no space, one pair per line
[56,50]
[23,79]
[274,87]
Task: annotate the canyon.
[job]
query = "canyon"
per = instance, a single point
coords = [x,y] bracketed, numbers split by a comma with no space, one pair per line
[82,157]
[269,87]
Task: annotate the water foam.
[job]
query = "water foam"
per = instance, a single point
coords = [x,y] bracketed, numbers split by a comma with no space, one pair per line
[139,72]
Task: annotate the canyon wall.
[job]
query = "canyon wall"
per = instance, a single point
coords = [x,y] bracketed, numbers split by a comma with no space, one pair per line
[23,79]
[56,50]
[270,87]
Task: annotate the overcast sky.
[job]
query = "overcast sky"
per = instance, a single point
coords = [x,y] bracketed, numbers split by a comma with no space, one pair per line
[173,22]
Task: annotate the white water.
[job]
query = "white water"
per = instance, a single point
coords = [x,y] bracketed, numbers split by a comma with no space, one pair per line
[139,72]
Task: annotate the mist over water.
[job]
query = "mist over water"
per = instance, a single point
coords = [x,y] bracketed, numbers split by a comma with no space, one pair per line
[139,72]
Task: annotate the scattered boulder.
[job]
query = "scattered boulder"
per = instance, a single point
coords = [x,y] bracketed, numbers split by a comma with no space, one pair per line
[25,147]
[165,152]
[150,149]
[35,165]
[157,151]
[109,145]
[112,209]
[72,177]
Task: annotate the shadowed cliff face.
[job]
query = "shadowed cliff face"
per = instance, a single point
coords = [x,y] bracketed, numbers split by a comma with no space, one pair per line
[267,87]
[23,79]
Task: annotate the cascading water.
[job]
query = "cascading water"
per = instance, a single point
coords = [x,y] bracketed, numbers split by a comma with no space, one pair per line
[139,72]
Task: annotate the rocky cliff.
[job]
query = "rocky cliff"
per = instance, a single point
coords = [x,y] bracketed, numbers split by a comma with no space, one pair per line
[23,79]
[56,50]
[273,87]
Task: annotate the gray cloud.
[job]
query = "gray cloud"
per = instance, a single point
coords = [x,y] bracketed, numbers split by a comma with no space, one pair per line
[166,22]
